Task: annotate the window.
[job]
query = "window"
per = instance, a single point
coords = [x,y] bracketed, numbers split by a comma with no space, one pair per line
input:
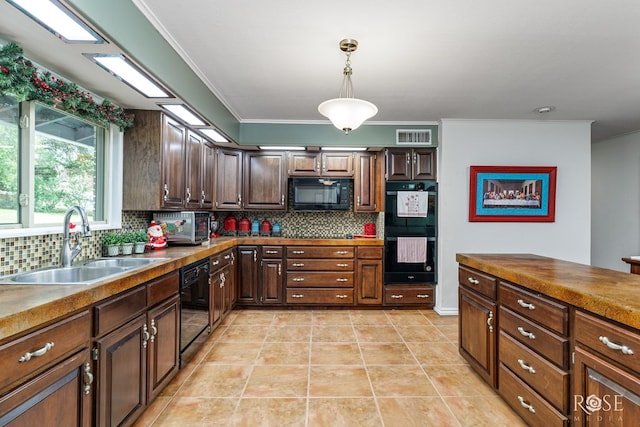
[50,161]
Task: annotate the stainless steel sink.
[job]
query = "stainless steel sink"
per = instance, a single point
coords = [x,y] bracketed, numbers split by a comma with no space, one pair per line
[120,262]
[87,274]
[65,275]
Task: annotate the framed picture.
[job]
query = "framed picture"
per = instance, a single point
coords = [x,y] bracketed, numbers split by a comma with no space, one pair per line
[512,194]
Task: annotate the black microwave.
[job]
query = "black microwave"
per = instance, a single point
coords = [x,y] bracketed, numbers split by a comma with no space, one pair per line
[321,194]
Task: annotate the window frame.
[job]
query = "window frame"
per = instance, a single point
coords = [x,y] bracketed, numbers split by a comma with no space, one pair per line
[111,175]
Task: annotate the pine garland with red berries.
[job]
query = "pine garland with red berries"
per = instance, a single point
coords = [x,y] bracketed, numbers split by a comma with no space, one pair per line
[19,77]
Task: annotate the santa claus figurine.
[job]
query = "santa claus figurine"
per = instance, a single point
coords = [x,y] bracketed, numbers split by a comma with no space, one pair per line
[157,238]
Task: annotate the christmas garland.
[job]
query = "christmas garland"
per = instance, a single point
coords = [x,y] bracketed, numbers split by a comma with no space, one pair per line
[19,77]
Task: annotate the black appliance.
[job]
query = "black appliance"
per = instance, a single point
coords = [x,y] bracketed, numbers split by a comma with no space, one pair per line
[194,307]
[397,226]
[321,194]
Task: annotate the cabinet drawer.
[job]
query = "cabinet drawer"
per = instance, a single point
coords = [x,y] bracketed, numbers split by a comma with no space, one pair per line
[549,313]
[219,260]
[25,356]
[548,344]
[320,252]
[320,265]
[320,296]
[608,339]
[162,288]
[527,403]
[271,251]
[367,252]
[541,375]
[320,279]
[118,311]
[477,281]
[406,295]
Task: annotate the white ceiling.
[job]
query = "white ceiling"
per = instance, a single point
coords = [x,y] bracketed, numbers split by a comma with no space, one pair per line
[418,60]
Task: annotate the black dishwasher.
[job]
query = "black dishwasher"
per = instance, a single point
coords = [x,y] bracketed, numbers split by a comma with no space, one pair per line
[194,307]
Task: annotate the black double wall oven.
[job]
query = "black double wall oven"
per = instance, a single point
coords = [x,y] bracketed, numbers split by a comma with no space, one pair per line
[410,232]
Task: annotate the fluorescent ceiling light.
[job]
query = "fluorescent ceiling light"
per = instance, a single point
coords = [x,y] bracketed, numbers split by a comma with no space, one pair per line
[214,134]
[344,149]
[281,148]
[59,20]
[124,70]
[184,113]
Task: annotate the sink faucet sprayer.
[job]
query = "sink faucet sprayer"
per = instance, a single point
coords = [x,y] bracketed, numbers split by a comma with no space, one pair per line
[67,254]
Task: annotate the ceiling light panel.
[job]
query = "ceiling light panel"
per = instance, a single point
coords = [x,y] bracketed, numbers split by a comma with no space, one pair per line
[59,20]
[281,148]
[214,135]
[184,114]
[125,70]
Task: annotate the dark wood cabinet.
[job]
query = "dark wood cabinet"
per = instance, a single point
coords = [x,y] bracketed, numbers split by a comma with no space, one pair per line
[222,285]
[369,276]
[321,164]
[247,275]
[408,164]
[154,163]
[200,168]
[228,179]
[136,349]
[272,275]
[368,183]
[265,183]
[477,322]
[59,396]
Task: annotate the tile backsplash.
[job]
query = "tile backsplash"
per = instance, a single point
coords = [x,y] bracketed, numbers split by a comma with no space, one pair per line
[20,254]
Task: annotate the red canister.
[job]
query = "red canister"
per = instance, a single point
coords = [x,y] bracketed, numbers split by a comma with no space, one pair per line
[230,223]
[244,225]
[265,227]
[370,229]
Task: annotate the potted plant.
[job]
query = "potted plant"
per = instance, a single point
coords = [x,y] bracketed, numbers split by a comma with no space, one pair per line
[141,238]
[126,242]
[111,243]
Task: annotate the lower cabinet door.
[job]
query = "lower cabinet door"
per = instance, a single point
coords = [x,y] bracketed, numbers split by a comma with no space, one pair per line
[121,369]
[603,393]
[60,396]
[477,334]
[164,353]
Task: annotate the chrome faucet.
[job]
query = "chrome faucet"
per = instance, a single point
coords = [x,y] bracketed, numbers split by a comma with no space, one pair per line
[67,254]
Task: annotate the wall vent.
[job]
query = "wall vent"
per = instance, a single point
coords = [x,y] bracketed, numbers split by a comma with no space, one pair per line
[413,136]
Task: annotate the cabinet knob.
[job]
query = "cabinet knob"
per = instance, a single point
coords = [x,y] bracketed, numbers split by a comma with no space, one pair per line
[298,279]
[89,375]
[342,296]
[282,200]
[165,192]
[188,193]
[473,281]
[40,352]
[523,304]
[397,296]
[154,330]
[298,264]
[341,265]
[145,336]
[341,279]
[422,296]
[525,405]
[490,322]
[525,333]
[613,346]
[297,252]
[297,296]
[526,367]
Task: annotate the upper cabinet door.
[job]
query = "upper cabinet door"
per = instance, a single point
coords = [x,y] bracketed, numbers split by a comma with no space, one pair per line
[265,185]
[173,161]
[337,164]
[304,164]
[228,179]
[193,170]
[367,192]
[424,164]
[408,164]
[399,164]
[208,176]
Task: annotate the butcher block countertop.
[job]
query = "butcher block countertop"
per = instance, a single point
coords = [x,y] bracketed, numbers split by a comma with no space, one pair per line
[612,294]
[24,307]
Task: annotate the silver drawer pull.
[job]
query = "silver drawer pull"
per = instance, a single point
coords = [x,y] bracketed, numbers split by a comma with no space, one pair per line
[298,279]
[341,252]
[523,304]
[341,279]
[613,346]
[40,352]
[342,296]
[473,281]
[227,257]
[422,296]
[490,321]
[526,367]
[89,375]
[524,404]
[297,252]
[216,262]
[397,296]
[342,265]
[271,252]
[525,333]
[298,264]
[297,296]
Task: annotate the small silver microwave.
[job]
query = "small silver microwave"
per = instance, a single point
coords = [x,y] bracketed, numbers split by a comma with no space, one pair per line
[185,228]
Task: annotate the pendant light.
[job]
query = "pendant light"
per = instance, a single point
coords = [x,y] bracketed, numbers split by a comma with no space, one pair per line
[346,112]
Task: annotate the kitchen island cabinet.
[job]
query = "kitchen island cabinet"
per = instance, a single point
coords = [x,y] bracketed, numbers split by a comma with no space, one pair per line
[553,373]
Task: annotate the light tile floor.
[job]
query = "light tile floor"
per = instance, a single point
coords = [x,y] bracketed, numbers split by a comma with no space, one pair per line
[330,368]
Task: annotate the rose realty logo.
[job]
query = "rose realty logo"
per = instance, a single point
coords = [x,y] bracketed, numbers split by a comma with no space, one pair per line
[605,408]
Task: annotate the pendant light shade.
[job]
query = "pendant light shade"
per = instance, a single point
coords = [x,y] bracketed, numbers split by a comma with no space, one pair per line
[347,112]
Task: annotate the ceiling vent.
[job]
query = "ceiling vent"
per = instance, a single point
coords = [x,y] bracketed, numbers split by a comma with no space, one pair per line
[413,136]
